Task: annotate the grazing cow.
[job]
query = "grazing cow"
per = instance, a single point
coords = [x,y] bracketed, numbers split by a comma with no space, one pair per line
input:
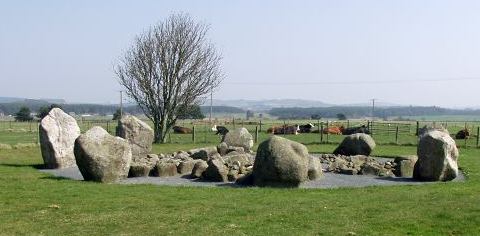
[354,130]
[463,134]
[306,128]
[222,130]
[285,129]
[181,130]
[333,130]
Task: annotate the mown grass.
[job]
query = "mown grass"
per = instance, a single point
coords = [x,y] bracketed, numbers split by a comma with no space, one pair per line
[32,202]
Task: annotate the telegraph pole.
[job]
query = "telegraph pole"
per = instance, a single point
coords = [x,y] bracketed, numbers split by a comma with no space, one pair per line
[373,107]
[211,102]
[121,103]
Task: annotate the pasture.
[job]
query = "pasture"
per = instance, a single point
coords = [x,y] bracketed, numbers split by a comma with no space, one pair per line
[384,132]
[38,203]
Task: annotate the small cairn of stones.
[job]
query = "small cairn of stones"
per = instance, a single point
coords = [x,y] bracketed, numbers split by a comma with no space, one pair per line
[205,163]
[366,165]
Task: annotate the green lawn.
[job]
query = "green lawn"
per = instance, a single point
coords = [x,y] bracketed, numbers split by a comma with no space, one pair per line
[35,203]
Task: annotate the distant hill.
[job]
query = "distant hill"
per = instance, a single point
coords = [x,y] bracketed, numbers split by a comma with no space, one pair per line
[46,100]
[264,105]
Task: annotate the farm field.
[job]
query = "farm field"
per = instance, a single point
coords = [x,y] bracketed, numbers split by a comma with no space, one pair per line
[384,132]
[33,202]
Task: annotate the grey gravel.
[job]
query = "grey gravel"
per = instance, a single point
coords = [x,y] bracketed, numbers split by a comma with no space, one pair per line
[329,180]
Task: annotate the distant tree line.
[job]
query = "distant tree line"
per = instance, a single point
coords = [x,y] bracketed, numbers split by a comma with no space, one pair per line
[358,112]
[42,108]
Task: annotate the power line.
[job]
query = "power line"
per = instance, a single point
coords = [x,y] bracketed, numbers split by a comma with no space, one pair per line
[351,82]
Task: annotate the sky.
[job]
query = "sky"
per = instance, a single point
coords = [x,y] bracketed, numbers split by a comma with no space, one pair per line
[409,52]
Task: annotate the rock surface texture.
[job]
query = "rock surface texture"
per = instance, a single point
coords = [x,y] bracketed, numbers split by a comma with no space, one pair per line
[437,157]
[280,163]
[58,132]
[356,144]
[102,157]
[239,137]
[138,134]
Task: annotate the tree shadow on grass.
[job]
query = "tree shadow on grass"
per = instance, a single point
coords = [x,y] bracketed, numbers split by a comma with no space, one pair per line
[58,178]
[36,166]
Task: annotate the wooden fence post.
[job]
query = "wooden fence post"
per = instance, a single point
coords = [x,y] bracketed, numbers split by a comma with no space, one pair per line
[108,126]
[193,134]
[256,134]
[327,132]
[418,127]
[348,124]
[478,135]
[321,132]
[284,127]
[205,132]
[234,122]
[260,126]
[396,135]
[465,137]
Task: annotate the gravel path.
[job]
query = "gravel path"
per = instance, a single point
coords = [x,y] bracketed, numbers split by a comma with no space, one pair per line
[330,180]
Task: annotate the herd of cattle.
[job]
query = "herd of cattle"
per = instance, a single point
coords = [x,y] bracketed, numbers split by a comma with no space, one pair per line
[307,128]
[287,129]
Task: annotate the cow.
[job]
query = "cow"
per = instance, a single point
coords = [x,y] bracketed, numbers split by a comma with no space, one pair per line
[306,128]
[222,130]
[463,134]
[333,130]
[354,130]
[285,129]
[181,130]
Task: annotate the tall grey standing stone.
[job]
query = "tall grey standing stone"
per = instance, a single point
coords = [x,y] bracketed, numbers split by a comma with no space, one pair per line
[437,157]
[239,137]
[280,162]
[356,144]
[102,157]
[58,132]
[138,134]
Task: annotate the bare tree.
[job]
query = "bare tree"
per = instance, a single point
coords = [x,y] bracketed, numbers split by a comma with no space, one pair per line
[172,65]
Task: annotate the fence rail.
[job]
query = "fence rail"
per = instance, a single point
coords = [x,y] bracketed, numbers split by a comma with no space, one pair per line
[384,132]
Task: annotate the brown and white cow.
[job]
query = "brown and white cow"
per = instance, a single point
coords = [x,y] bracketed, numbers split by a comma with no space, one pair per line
[284,129]
[181,130]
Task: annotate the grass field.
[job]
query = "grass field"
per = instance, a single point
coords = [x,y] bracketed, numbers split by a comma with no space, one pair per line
[24,132]
[36,203]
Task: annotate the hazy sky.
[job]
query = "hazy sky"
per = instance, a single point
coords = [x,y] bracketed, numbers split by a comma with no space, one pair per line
[405,51]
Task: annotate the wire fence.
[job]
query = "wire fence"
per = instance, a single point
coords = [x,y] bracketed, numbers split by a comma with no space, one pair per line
[384,132]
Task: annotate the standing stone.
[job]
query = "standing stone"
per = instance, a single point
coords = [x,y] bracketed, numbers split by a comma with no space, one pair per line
[138,134]
[239,137]
[280,162]
[165,168]
[199,168]
[186,167]
[356,144]
[314,168]
[404,166]
[437,157]
[58,132]
[102,157]
[216,171]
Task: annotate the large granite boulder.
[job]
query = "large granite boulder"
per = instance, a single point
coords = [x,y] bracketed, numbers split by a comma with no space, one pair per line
[216,171]
[314,168]
[239,137]
[138,134]
[58,132]
[437,157]
[204,153]
[280,163]
[405,165]
[198,169]
[102,157]
[356,144]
